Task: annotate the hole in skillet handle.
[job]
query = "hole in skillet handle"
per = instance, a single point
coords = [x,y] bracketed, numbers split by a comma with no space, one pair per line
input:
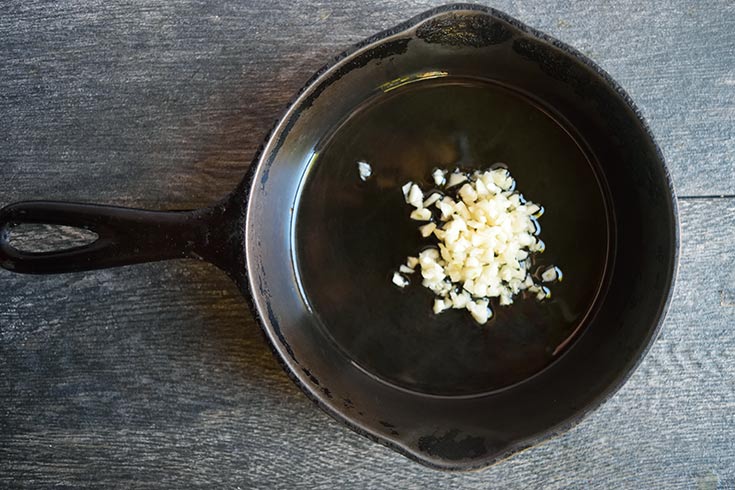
[124,236]
[35,238]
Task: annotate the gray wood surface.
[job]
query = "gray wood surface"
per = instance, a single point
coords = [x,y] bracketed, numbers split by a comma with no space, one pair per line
[157,376]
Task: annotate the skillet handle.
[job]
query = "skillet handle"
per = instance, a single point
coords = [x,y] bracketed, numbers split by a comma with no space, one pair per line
[125,236]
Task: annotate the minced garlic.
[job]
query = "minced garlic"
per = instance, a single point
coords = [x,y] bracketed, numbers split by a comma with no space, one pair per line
[485,232]
[365,170]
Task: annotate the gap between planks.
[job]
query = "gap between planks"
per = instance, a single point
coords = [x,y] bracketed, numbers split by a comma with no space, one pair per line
[711,196]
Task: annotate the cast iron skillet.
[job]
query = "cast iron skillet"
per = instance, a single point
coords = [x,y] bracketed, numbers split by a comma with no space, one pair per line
[253,236]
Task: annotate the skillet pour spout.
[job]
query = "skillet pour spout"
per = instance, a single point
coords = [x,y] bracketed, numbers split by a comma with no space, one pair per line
[254,236]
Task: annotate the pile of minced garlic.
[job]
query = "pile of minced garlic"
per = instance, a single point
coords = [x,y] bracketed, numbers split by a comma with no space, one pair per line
[485,235]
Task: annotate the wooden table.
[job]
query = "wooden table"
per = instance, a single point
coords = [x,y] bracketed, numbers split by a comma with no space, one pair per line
[157,376]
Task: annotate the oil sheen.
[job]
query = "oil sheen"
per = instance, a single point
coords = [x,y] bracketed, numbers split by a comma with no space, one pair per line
[352,235]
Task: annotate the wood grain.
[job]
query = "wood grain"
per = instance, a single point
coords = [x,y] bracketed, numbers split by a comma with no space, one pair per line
[181,94]
[156,376]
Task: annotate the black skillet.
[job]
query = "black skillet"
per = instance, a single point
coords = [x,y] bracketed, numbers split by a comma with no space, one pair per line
[312,247]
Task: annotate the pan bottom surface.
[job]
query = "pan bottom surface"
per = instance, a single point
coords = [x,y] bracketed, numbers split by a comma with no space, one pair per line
[350,236]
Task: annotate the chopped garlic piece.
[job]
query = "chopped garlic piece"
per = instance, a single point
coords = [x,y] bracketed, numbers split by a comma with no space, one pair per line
[551,274]
[412,262]
[406,270]
[365,170]
[446,206]
[439,176]
[460,300]
[456,178]
[427,230]
[479,310]
[415,197]
[432,199]
[421,214]
[468,194]
[399,280]
[428,254]
[406,188]
[440,305]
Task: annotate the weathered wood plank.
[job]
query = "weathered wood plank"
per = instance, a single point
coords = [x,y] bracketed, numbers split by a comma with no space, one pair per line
[179,95]
[157,374]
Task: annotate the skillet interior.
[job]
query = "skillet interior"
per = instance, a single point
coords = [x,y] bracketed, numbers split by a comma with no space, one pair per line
[350,235]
